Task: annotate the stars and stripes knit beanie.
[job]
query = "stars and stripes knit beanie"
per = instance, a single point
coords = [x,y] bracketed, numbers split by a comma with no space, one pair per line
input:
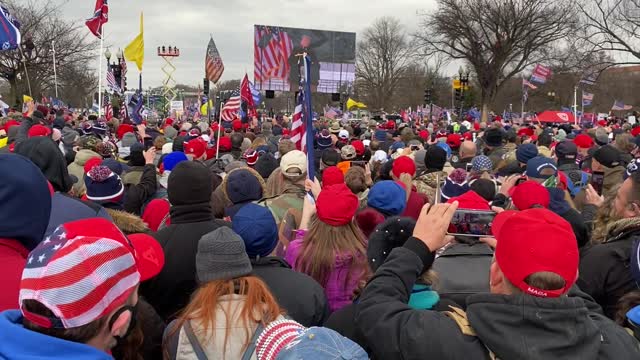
[79,280]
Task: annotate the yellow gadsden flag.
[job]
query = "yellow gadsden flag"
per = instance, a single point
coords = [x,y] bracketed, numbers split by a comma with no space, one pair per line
[26,98]
[135,50]
[352,103]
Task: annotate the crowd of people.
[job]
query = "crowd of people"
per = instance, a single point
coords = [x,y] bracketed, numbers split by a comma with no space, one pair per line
[187,240]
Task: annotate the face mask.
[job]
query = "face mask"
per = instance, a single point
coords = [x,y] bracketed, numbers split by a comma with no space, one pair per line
[132,323]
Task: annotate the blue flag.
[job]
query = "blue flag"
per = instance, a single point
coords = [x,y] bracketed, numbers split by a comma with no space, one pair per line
[308,117]
[10,37]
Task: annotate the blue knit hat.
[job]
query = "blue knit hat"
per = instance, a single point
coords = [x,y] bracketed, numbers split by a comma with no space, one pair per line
[257,228]
[526,152]
[380,135]
[388,197]
[171,160]
[481,163]
[324,139]
[102,184]
[397,145]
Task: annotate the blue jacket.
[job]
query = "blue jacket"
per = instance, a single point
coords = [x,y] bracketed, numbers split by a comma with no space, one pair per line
[65,209]
[16,342]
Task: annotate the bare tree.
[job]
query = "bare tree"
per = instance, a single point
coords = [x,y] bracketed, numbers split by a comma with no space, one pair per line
[41,25]
[612,26]
[383,56]
[497,38]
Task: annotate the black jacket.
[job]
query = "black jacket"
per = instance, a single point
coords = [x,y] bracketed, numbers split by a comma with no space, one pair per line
[463,270]
[604,268]
[462,163]
[513,168]
[511,326]
[299,294]
[170,291]
[137,195]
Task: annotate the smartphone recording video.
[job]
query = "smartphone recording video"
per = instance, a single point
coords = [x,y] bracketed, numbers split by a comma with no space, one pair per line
[597,181]
[475,223]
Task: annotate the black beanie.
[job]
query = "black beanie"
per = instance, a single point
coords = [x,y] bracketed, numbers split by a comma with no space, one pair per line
[608,156]
[178,144]
[189,183]
[435,158]
[392,233]
[265,165]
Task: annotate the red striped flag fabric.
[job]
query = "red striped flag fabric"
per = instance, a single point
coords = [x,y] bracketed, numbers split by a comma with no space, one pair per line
[79,279]
[231,107]
[298,128]
[214,67]
[112,85]
[99,18]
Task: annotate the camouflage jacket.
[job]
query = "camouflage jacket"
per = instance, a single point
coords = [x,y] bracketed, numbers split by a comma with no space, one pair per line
[428,184]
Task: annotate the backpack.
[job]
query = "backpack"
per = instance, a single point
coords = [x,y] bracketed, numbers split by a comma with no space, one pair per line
[172,342]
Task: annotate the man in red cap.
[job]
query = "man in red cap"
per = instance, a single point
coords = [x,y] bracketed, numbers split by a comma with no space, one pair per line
[415,201]
[532,312]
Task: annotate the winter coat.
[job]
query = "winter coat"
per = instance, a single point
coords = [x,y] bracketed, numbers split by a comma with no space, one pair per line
[462,163]
[16,342]
[152,327]
[341,281]
[510,326]
[65,208]
[604,268]
[497,156]
[43,152]
[560,206]
[127,222]
[136,195]
[414,204]
[292,197]
[463,270]
[307,305]
[133,175]
[76,168]
[428,183]
[213,343]
[13,258]
[170,291]
[513,168]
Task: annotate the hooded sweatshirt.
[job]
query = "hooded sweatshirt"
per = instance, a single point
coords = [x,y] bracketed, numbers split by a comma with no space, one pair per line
[23,224]
[16,342]
[43,152]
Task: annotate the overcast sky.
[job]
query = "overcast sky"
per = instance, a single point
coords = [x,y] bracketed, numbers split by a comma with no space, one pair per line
[188,23]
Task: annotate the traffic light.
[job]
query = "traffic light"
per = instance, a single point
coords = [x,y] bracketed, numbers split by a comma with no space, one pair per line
[206,86]
[427,96]
[458,94]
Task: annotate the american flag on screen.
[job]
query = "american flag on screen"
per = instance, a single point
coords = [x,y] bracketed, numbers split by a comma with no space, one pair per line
[272,50]
[214,67]
[231,107]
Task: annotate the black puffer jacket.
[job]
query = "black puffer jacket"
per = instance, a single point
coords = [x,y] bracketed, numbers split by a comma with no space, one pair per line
[511,326]
[604,268]
[307,304]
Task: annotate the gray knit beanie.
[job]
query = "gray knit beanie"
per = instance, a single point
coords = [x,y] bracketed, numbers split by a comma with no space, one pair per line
[128,139]
[170,132]
[221,256]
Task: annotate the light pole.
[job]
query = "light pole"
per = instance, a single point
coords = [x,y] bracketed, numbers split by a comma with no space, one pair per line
[464,82]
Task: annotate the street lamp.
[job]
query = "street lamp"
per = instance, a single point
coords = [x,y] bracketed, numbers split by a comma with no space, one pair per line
[119,54]
[107,55]
[464,84]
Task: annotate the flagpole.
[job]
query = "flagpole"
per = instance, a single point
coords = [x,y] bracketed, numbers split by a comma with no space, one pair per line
[575,105]
[100,71]
[24,63]
[55,73]
[582,101]
[522,102]
[219,128]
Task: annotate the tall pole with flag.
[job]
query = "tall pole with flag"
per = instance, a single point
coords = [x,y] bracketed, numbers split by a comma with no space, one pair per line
[575,105]
[96,26]
[55,73]
[302,126]
[213,68]
[135,51]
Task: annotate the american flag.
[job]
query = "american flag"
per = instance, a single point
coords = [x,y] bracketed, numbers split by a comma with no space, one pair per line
[528,84]
[108,110]
[213,62]
[272,49]
[619,106]
[587,98]
[123,66]
[112,85]
[589,79]
[231,107]
[73,287]
[302,126]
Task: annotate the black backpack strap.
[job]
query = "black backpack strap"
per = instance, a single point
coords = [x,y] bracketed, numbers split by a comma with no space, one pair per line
[171,342]
[251,348]
[197,348]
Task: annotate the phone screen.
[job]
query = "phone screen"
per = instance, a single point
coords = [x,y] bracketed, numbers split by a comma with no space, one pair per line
[597,180]
[476,223]
[469,167]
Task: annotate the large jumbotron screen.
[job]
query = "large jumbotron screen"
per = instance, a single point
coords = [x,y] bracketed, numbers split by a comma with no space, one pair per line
[332,53]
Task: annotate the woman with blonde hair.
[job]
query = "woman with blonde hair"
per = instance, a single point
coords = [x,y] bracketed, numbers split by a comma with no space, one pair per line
[229,310]
[333,249]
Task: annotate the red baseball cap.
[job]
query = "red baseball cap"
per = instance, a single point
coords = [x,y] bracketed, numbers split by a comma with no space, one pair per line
[454,140]
[528,194]
[38,130]
[195,147]
[146,250]
[225,143]
[403,164]
[532,241]
[236,125]
[583,141]
[359,146]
